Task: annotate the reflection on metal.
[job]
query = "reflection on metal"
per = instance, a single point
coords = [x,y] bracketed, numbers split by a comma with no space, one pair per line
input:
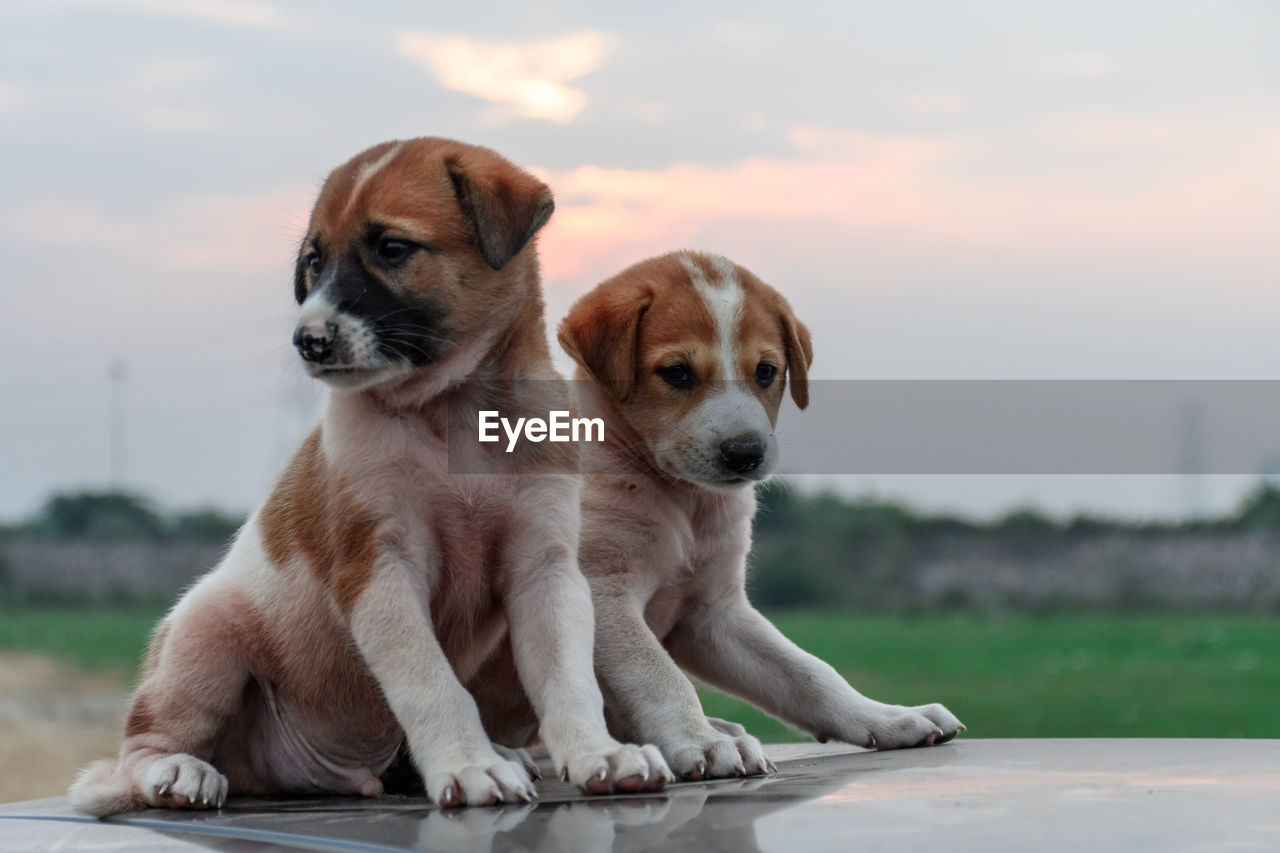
[980,795]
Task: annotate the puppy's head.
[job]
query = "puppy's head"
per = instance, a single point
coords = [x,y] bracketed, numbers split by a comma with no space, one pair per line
[412,249]
[696,351]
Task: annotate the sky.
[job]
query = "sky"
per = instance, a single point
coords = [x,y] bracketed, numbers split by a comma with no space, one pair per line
[987,190]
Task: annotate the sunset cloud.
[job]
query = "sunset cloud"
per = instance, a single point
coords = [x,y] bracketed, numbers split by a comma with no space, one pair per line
[530,77]
[948,192]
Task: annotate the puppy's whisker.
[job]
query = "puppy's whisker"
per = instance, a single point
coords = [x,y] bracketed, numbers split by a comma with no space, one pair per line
[387,316]
[401,342]
[417,328]
[420,331]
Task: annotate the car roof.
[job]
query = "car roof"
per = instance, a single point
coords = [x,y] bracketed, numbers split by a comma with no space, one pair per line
[981,795]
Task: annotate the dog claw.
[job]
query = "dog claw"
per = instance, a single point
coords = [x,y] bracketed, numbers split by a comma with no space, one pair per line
[163,789]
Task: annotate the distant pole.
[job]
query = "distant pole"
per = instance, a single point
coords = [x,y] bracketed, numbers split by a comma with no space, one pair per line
[118,376]
[1193,461]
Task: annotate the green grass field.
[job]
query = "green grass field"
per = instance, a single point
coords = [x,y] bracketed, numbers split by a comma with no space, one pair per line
[1062,675]
[112,640]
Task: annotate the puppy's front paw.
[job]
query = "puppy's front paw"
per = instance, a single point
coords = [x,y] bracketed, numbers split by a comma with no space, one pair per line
[519,756]
[896,727]
[754,761]
[181,781]
[943,719]
[617,766]
[714,754]
[482,781]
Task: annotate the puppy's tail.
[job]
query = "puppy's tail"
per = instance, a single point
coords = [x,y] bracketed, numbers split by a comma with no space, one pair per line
[102,789]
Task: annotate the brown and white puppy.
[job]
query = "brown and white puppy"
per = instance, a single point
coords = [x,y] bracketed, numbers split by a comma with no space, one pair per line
[688,355]
[392,556]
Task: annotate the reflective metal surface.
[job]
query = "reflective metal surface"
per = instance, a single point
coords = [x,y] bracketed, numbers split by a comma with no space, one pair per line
[982,795]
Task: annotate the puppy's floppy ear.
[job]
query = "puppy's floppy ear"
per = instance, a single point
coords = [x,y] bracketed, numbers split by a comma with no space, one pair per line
[601,334]
[506,205]
[799,351]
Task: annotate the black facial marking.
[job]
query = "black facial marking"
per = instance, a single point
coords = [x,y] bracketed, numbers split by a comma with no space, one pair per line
[307,268]
[300,276]
[408,326]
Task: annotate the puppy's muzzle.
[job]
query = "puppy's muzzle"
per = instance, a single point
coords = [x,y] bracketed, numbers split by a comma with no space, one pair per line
[314,341]
[742,454]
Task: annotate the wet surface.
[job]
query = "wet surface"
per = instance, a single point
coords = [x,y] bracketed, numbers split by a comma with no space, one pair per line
[982,795]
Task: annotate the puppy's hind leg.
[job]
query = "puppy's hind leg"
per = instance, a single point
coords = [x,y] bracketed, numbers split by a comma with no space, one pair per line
[195,677]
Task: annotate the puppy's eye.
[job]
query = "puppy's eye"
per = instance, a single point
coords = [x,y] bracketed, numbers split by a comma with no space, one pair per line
[765,374]
[392,251]
[677,375]
[312,262]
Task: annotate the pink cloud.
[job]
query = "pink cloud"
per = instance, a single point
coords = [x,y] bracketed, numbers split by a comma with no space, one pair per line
[1179,184]
[856,180]
[1172,186]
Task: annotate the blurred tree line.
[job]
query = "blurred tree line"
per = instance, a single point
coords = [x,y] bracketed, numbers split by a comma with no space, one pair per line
[825,550]
[122,515]
[104,518]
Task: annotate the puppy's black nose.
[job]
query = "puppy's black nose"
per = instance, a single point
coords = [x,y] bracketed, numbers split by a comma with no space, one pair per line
[315,341]
[742,454]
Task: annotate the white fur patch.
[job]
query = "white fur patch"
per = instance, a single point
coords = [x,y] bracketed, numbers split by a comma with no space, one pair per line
[368,171]
[731,410]
[724,301]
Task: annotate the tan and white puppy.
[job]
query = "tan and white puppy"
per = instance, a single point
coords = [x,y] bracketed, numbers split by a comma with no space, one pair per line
[393,556]
[688,355]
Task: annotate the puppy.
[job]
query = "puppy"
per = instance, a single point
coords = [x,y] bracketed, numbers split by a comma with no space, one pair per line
[688,355]
[392,556]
